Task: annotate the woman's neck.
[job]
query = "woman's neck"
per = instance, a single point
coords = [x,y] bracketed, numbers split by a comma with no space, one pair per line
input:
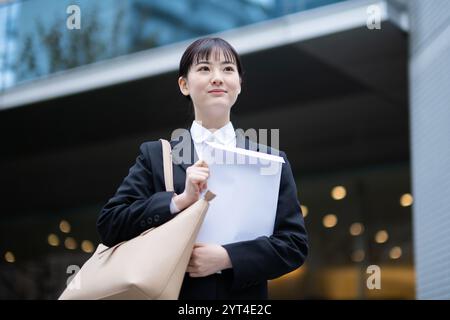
[212,124]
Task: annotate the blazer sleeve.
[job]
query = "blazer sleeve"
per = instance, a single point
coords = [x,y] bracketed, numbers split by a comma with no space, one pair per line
[136,206]
[265,257]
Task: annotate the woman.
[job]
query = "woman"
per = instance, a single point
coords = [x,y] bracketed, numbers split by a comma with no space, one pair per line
[210,76]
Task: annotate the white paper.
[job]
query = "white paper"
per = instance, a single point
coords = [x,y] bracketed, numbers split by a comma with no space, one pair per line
[246,194]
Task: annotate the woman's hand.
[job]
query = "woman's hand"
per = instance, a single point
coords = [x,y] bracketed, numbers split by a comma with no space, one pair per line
[207,259]
[196,182]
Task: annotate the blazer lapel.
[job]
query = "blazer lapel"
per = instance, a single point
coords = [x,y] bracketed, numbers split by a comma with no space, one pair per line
[179,147]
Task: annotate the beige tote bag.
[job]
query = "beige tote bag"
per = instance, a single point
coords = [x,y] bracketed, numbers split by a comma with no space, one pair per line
[149,266]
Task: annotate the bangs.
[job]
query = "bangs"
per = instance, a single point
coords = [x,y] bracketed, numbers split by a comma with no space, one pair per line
[205,52]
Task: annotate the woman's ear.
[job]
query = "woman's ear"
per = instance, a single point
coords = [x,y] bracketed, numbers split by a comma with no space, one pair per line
[182,83]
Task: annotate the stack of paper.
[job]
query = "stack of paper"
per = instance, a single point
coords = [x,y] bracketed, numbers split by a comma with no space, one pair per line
[247,185]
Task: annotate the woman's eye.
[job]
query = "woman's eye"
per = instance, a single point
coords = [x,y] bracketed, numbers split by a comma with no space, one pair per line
[204,68]
[229,69]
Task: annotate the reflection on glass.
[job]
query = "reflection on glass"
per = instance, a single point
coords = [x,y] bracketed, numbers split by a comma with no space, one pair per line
[338,193]
[9,257]
[70,243]
[53,240]
[64,226]
[358,255]
[87,246]
[395,253]
[38,41]
[329,221]
[406,200]
[381,236]
[356,229]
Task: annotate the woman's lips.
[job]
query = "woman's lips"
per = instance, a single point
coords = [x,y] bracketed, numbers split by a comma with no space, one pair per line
[217,92]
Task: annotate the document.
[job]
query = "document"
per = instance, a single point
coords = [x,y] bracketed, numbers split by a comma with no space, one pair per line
[246,184]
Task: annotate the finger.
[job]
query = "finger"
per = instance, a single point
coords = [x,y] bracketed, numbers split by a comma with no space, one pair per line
[194,275]
[197,179]
[198,175]
[191,269]
[203,172]
[200,169]
[198,183]
[199,244]
[201,163]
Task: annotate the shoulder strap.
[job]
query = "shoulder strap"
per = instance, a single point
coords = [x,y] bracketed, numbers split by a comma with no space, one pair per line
[167,163]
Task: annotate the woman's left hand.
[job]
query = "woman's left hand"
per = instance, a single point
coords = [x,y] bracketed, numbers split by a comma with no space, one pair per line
[207,259]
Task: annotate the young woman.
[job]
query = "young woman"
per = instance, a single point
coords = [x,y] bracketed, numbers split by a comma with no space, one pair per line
[210,76]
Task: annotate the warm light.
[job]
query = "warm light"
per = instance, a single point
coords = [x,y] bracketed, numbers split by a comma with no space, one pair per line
[64,226]
[70,243]
[9,257]
[304,210]
[338,193]
[406,200]
[395,253]
[53,240]
[87,246]
[356,229]
[381,236]
[358,255]
[291,276]
[329,221]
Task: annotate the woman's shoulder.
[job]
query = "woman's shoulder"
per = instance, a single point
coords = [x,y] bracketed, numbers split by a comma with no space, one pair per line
[149,147]
[151,144]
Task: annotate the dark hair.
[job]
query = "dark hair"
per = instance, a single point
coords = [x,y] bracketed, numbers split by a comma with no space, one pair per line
[202,48]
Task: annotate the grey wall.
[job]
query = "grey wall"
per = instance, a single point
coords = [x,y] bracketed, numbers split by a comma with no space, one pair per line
[430,133]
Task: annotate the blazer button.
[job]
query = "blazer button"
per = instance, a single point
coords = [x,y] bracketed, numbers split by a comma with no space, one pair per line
[143,223]
[149,220]
[156,218]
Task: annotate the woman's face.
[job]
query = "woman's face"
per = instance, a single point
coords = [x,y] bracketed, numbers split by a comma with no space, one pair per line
[213,85]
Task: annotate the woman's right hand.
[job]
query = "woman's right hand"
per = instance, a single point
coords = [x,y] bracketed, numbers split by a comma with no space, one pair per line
[196,182]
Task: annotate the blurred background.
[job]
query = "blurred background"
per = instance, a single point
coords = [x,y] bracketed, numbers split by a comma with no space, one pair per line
[357,88]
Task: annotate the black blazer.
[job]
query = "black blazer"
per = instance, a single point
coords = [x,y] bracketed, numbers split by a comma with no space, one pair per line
[141,202]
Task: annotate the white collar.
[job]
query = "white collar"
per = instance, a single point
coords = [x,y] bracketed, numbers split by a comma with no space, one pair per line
[223,135]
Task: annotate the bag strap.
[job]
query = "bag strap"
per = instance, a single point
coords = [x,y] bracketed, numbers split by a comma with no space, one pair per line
[167,163]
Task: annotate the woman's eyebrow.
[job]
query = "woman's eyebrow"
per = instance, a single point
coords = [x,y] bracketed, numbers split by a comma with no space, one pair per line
[207,62]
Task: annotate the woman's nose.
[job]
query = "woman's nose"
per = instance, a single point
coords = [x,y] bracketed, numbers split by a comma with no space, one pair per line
[216,78]
[217,81]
